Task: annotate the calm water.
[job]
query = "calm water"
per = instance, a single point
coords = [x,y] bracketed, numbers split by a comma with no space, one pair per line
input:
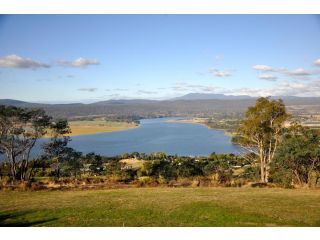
[153,135]
[156,135]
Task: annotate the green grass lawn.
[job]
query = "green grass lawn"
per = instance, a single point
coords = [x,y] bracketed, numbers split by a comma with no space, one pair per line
[162,207]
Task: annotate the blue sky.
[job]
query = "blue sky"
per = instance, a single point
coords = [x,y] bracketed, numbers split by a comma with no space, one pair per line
[86,58]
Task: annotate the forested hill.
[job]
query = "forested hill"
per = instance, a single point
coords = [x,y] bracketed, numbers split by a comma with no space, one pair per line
[197,106]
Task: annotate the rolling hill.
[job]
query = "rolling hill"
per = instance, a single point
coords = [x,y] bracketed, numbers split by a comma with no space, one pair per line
[193,104]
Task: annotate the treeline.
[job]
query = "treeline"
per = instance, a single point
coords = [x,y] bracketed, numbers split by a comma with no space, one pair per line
[128,119]
[156,168]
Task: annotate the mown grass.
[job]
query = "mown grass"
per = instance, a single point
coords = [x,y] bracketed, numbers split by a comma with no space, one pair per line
[162,207]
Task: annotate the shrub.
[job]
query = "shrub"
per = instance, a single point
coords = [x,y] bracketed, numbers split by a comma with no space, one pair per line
[145,180]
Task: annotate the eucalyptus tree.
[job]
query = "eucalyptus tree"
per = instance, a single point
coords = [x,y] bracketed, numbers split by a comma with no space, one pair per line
[19,131]
[261,131]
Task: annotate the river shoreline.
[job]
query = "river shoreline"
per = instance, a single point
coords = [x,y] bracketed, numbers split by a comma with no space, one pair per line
[200,121]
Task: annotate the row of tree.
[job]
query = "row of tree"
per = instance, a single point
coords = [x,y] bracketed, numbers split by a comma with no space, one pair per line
[156,166]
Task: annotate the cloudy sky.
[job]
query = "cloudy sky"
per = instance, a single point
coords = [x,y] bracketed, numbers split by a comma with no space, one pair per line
[86,58]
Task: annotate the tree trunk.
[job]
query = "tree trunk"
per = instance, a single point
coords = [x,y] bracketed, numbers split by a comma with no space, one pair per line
[13,171]
[262,172]
[13,168]
[262,166]
[267,172]
[295,172]
[317,179]
[311,170]
[31,172]
[27,159]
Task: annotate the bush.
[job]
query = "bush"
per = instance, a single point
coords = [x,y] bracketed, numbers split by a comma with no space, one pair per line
[128,175]
[282,177]
[145,180]
[162,180]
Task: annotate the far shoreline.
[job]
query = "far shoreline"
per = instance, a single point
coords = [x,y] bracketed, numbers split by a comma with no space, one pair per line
[82,128]
[201,122]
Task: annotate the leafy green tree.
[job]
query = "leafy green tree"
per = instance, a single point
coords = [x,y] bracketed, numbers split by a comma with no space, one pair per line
[39,167]
[96,162]
[218,166]
[64,160]
[128,175]
[57,150]
[158,168]
[187,168]
[73,163]
[261,131]
[298,156]
[113,167]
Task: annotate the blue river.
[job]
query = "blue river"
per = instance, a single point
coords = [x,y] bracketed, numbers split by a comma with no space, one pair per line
[158,135]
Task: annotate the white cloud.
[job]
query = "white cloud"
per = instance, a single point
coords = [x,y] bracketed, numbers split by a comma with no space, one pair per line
[79,62]
[284,88]
[185,87]
[181,83]
[179,88]
[88,89]
[117,96]
[317,62]
[202,88]
[139,92]
[15,61]
[219,73]
[264,68]
[297,72]
[268,77]
[120,89]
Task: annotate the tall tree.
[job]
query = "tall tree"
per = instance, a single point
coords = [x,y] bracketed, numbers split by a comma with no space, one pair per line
[57,150]
[261,131]
[19,131]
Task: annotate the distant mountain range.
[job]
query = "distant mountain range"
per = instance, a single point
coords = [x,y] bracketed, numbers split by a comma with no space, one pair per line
[192,104]
[207,96]
[189,96]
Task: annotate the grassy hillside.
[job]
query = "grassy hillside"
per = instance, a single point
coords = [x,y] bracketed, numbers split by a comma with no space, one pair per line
[162,207]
